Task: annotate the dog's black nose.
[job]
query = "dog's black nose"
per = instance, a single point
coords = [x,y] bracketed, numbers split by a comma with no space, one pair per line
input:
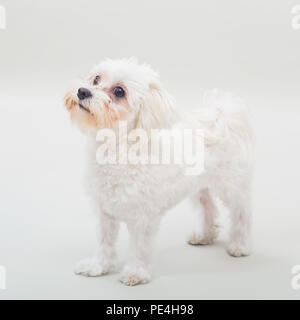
[83,93]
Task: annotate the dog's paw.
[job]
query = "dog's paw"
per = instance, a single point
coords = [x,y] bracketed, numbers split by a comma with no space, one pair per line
[239,250]
[198,238]
[92,267]
[133,275]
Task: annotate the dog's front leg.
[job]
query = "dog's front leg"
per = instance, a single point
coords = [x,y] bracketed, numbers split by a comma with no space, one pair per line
[103,261]
[141,238]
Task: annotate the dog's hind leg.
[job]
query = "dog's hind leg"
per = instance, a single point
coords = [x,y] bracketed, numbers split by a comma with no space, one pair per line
[205,232]
[240,237]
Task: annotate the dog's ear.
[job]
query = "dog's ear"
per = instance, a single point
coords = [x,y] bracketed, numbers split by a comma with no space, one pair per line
[156,108]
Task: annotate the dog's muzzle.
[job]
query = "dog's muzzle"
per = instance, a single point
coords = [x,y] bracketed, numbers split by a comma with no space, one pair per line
[83,108]
[83,93]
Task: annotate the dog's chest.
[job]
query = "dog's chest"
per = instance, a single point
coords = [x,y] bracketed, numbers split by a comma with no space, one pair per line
[121,189]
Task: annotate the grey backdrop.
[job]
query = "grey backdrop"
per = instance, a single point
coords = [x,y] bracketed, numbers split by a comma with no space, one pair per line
[244,46]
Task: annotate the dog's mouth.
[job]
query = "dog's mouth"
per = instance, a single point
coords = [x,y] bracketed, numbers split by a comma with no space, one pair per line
[83,108]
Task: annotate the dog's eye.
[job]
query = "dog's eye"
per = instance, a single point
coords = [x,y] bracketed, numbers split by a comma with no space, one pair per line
[119,92]
[96,80]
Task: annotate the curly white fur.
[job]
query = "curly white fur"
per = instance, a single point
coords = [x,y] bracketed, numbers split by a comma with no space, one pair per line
[139,195]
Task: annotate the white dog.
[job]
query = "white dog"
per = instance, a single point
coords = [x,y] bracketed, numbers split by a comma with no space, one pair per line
[139,194]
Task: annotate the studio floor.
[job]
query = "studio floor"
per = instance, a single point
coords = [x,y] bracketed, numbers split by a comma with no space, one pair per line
[47,226]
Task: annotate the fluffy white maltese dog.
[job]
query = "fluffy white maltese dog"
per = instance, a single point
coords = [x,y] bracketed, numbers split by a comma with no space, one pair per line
[139,194]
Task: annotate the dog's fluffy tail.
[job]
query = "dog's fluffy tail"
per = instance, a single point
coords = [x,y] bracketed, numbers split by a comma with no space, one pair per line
[224,117]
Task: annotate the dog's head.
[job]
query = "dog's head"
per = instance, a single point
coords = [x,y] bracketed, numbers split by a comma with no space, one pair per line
[118,90]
